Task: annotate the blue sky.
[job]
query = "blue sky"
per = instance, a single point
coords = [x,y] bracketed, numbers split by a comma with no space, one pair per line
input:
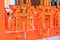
[51,38]
[12,2]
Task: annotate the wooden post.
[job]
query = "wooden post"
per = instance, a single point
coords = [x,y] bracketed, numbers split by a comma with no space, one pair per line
[57,2]
[45,2]
[2,20]
[48,3]
[41,2]
[26,1]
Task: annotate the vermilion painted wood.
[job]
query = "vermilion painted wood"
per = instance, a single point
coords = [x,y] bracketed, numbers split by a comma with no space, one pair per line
[44,25]
[2,20]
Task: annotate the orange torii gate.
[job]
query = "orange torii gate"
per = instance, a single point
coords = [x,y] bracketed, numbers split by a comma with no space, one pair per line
[34,22]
